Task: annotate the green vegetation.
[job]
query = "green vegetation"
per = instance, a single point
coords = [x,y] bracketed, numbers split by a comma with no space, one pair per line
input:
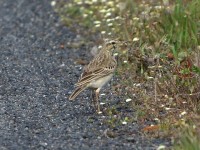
[160,67]
[189,140]
[182,25]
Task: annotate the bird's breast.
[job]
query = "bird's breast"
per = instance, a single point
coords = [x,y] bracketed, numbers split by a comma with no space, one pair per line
[99,83]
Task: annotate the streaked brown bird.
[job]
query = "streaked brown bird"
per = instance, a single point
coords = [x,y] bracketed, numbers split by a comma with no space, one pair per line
[98,72]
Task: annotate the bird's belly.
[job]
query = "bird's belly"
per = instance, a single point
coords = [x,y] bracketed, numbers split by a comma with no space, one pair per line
[100,82]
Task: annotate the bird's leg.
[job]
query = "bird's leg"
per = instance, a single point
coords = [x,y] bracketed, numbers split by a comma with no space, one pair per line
[93,98]
[97,100]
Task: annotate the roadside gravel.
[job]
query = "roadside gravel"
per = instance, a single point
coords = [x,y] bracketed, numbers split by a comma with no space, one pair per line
[36,75]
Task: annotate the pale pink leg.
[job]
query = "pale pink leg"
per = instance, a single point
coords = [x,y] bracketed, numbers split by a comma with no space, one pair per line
[97,100]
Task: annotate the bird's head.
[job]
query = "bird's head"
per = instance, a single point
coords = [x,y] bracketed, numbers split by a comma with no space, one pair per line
[113,45]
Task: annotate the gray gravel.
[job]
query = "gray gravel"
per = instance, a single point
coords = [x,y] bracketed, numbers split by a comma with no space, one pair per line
[36,76]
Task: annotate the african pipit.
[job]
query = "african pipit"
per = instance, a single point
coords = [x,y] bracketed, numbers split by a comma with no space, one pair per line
[98,72]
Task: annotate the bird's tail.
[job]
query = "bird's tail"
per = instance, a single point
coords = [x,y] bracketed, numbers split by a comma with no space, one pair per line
[77,91]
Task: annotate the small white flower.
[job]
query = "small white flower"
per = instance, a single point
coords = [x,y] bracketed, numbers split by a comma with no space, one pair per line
[118,17]
[158,7]
[102,11]
[103,32]
[124,122]
[108,14]
[79,3]
[122,6]
[85,15]
[53,3]
[115,54]
[128,100]
[110,3]
[99,47]
[136,18]
[97,25]
[91,12]
[102,103]
[97,22]
[167,108]
[108,20]
[135,39]
[161,147]
[149,77]
[100,112]
[183,113]
[138,85]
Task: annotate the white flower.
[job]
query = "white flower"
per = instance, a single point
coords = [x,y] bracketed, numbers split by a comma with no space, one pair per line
[115,54]
[85,15]
[108,14]
[135,39]
[161,147]
[149,77]
[167,108]
[53,3]
[110,24]
[102,103]
[183,113]
[99,47]
[124,122]
[97,25]
[103,32]
[97,22]
[136,18]
[158,7]
[128,100]
[102,11]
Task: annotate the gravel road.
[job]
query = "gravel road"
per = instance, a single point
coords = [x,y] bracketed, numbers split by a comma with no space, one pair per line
[36,76]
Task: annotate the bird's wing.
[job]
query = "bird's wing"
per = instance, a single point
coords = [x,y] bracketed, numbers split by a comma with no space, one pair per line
[87,77]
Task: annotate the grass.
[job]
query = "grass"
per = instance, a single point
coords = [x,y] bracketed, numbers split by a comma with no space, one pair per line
[160,68]
[188,139]
[181,27]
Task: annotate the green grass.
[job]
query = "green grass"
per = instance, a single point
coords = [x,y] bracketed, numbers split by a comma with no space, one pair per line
[189,139]
[182,26]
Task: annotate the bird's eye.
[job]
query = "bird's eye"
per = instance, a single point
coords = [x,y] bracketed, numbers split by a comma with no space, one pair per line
[113,42]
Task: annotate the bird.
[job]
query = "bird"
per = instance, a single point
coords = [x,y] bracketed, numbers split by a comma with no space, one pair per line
[98,72]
